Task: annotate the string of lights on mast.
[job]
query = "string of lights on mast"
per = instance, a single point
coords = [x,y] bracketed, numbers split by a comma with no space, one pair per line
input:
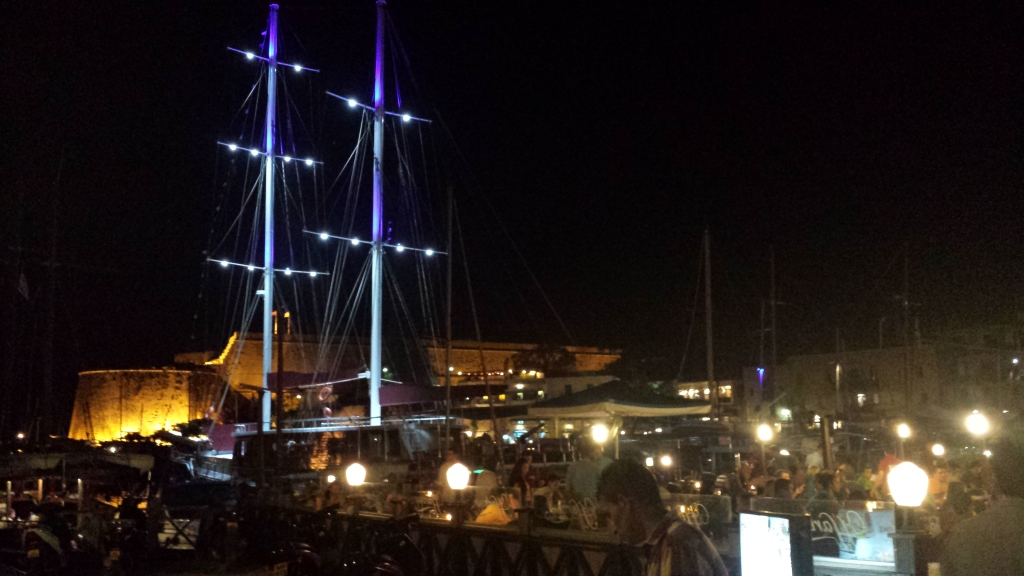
[356,242]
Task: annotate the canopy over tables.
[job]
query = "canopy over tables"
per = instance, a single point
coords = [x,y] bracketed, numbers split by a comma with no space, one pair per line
[617,399]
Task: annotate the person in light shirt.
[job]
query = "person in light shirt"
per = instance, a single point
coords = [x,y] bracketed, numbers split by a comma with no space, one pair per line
[581,478]
[815,458]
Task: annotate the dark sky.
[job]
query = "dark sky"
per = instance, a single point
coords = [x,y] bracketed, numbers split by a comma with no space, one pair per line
[606,138]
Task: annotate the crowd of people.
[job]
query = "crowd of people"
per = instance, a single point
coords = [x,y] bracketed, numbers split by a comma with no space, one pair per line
[958,489]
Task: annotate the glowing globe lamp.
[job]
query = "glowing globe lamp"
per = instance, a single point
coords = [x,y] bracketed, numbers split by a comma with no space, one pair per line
[666,460]
[977,424]
[331,478]
[599,432]
[764,433]
[938,449]
[458,477]
[903,431]
[355,474]
[908,484]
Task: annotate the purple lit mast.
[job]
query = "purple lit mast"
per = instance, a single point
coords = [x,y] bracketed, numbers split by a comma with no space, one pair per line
[376,265]
[268,232]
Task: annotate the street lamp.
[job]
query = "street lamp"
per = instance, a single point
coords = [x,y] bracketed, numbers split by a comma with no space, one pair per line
[903,431]
[599,432]
[458,476]
[908,485]
[977,424]
[764,435]
[355,475]
[458,479]
[938,449]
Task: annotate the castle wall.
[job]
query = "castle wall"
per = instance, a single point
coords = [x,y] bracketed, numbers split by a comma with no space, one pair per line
[112,403]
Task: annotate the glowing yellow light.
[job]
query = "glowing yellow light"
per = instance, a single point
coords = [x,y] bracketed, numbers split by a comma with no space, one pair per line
[599,432]
[977,424]
[764,433]
[903,431]
[938,449]
[908,484]
[355,474]
[458,476]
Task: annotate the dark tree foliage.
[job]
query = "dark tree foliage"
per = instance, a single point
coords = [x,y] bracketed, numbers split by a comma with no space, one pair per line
[553,361]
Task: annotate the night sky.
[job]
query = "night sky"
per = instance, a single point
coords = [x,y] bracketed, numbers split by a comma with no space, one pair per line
[605,137]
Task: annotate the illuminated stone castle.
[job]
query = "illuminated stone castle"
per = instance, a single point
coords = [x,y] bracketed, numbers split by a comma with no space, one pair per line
[112,403]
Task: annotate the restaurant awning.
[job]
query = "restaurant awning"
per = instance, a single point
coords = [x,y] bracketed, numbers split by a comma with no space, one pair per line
[617,399]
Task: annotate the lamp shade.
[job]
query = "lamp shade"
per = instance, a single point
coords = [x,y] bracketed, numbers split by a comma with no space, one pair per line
[355,474]
[908,484]
[458,477]
[599,432]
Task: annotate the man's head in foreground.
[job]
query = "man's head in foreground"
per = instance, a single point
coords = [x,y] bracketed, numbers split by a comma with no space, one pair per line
[630,493]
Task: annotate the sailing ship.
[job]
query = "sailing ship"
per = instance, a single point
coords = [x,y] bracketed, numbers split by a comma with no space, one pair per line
[316,435]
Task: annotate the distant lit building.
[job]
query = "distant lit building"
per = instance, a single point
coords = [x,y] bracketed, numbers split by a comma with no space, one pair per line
[960,370]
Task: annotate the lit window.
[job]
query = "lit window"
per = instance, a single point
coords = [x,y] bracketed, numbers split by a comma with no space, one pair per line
[862,399]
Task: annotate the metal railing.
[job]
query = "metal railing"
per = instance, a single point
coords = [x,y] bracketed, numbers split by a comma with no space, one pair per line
[450,549]
[337,423]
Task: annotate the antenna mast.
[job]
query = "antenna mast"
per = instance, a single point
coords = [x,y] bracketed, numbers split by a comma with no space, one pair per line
[268,232]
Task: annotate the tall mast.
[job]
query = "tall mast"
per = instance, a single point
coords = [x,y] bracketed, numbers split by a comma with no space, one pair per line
[268,232]
[708,334]
[448,331]
[774,388]
[377,255]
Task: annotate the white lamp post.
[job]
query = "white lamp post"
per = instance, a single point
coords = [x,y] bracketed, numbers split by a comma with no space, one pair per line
[908,485]
[458,479]
[355,476]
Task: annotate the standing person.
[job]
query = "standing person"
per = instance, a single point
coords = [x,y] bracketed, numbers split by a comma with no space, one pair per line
[815,458]
[670,546]
[784,489]
[992,543]
[581,479]
[520,478]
